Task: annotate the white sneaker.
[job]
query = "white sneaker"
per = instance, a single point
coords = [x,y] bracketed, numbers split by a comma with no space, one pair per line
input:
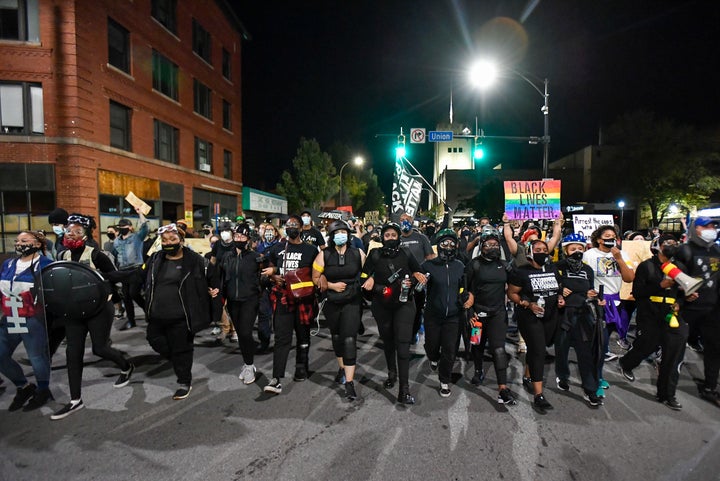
[215,331]
[522,347]
[247,375]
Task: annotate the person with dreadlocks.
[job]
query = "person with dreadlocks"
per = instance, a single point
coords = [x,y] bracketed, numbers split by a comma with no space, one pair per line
[577,323]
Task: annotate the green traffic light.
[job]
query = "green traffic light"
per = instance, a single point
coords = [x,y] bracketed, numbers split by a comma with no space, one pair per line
[399,152]
[478,154]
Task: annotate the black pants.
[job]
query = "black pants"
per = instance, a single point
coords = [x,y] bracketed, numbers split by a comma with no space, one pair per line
[344,322]
[493,333]
[441,335]
[419,299]
[172,340]
[710,331]
[285,323]
[131,288]
[695,318]
[395,325]
[538,333]
[264,319]
[578,336]
[99,329]
[243,315]
[654,332]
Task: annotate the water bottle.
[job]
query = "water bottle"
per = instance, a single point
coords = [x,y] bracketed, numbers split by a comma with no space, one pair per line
[541,304]
[475,331]
[405,290]
[420,286]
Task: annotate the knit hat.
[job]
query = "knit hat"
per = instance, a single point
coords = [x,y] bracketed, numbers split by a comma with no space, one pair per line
[58,216]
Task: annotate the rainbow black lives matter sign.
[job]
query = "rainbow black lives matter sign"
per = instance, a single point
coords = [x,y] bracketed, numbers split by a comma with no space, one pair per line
[532,199]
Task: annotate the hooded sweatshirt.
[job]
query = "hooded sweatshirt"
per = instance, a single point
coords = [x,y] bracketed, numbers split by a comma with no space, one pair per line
[702,259]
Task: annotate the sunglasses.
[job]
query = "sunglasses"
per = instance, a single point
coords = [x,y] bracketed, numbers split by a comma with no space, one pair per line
[168,228]
[448,244]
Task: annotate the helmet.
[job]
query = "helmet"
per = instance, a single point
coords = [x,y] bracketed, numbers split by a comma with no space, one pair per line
[489,231]
[390,225]
[338,225]
[243,228]
[574,239]
[445,234]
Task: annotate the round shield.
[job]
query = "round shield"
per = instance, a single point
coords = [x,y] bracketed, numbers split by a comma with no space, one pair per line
[73,290]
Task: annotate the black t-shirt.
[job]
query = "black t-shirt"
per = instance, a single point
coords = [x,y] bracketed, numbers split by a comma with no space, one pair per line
[312,236]
[295,257]
[487,281]
[536,283]
[579,282]
[166,303]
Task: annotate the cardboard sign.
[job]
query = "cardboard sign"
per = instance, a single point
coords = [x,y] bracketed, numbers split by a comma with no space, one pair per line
[532,199]
[585,224]
[138,203]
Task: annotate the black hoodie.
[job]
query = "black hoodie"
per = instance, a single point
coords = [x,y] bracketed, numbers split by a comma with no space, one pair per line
[702,259]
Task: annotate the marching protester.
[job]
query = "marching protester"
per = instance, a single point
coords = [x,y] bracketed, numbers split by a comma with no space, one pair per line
[336,271]
[178,303]
[659,320]
[98,325]
[270,237]
[309,233]
[219,252]
[535,289]
[577,324]
[23,320]
[294,300]
[387,274]
[129,247]
[487,276]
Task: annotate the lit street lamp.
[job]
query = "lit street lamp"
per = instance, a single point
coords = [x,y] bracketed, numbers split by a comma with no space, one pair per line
[621,204]
[357,161]
[483,73]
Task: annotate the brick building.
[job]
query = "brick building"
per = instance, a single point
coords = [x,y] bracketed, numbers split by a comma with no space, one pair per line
[102,97]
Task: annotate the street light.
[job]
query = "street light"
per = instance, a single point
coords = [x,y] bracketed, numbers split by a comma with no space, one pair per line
[358,160]
[483,73]
[621,204]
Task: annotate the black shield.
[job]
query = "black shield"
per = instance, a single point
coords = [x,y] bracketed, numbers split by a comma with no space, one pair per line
[73,290]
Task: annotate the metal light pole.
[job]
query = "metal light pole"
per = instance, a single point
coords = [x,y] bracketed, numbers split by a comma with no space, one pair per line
[621,204]
[357,161]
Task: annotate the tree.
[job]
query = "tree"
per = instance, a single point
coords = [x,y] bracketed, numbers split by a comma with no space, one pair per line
[659,163]
[360,184]
[488,202]
[313,178]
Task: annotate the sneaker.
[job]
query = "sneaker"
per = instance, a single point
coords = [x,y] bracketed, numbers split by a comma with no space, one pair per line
[390,381]
[215,331]
[528,385]
[433,366]
[592,400]
[627,373]
[562,384]
[522,347]
[444,390]
[696,346]
[478,378]
[624,344]
[610,356]
[39,398]
[673,404]
[273,386]
[404,397]
[340,376]
[603,384]
[350,393]
[505,396]
[23,394]
[247,375]
[300,373]
[124,378]
[710,395]
[68,409]
[234,337]
[541,403]
[600,393]
[182,392]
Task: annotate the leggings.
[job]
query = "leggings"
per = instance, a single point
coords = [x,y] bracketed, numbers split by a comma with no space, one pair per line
[99,329]
[243,315]
[395,325]
[441,334]
[343,321]
[493,332]
[538,333]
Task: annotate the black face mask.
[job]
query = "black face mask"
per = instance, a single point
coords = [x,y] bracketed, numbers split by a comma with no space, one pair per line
[446,254]
[492,253]
[26,250]
[540,258]
[111,235]
[576,256]
[240,244]
[391,246]
[124,230]
[465,233]
[429,231]
[292,232]
[171,249]
[609,243]
[670,251]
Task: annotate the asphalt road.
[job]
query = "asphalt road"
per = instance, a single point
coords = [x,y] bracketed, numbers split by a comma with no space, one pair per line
[228,431]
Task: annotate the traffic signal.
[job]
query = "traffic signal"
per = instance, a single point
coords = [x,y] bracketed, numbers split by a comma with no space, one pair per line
[400,149]
[478,152]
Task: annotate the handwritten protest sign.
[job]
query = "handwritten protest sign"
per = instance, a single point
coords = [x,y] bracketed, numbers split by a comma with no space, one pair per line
[532,199]
[138,203]
[585,224]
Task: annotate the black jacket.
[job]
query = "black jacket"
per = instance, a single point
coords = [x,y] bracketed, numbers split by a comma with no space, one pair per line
[241,276]
[193,287]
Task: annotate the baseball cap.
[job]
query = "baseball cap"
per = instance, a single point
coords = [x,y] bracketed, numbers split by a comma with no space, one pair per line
[703,221]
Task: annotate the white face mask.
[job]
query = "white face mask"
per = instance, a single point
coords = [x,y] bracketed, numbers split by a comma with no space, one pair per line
[226,236]
[58,230]
[306,220]
[708,235]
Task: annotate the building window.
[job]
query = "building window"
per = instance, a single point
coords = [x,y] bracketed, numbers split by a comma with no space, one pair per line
[203,155]
[203,99]
[21,109]
[227,164]
[19,20]
[226,65]
[166,142]
[165,75]
[118,46]
[227,115]
[164,12]
[119,126]
[201,42]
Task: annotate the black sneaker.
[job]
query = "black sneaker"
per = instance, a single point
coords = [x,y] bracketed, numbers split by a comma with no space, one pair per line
[182,392]
[528,385]
[444,390]
[672,404]
[124,378]
[710,395]
[67,410]
[433,366]
[340,376]
[505,396]
[23,394]
[562,384]
[541,403]
[592,400]
[350,393]
[478,378]
[696,346]
[404,397]
[127,325]
[391,380]
[273,386]
[627,374]
[40,398]
[300,373]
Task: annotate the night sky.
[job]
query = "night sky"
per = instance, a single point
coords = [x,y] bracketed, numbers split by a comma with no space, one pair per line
[353,71]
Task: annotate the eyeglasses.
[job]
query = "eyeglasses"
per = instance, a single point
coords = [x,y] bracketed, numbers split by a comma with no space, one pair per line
[168,228]
[74,232]
[292,224]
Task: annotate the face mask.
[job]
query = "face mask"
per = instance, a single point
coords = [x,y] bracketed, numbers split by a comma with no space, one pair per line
[26,250]
[708,235]
[111,235]
[306,220]
[226,236]
[670,251]
[391,244]
[429,231]
[492,253]
[405,226]
[609,243]
[58,230]
[292,232]
[269,236]
[576,256]
[540,258]
[240,244]
[465,233]
[171,249]
[446,254]
[340,239]
[124,231]
[73,243]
